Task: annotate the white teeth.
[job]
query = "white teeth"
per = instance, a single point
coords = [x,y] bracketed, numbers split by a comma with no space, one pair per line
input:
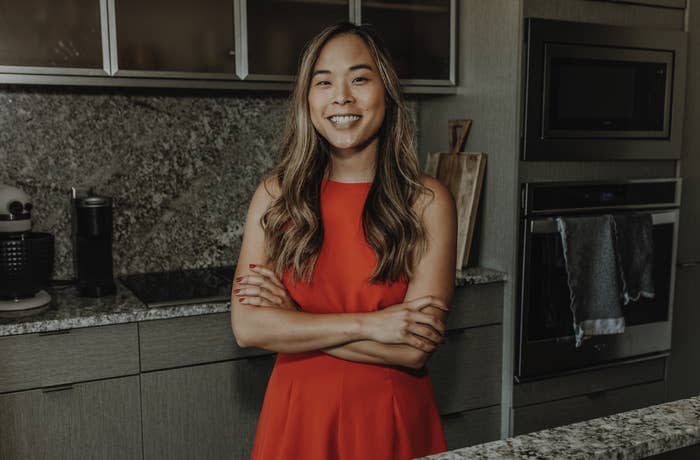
[344,119]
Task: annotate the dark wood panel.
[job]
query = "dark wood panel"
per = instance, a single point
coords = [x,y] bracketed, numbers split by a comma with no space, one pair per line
[39,360]
[476,305]
[89,420]
[207,411]
[613,13]
[663,3]
[686,453]
[472,427]
[580,383]
[190,340]
[570,410]
[466,371]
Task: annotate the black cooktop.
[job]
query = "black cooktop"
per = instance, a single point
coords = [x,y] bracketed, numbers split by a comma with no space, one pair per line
[182,287]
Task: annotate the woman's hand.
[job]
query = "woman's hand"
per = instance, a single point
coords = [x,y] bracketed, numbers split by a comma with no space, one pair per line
[263,289]
[407,323]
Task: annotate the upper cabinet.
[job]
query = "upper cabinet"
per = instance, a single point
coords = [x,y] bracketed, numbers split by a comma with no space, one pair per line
[278,30]
[236,44]
[46,36]
[420,36]
[173,38]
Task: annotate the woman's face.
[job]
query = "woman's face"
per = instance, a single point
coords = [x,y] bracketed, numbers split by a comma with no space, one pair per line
[346,95]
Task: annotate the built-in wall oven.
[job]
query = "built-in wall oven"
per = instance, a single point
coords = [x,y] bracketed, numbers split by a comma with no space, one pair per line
[545,344]
[595,92]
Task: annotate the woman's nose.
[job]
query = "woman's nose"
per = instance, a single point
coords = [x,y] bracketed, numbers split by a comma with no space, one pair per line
[342,94]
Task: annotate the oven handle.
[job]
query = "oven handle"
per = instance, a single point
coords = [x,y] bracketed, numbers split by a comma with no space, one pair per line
[549,225]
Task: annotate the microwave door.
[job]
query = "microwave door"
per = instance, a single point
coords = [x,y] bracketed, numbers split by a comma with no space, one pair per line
[603,92]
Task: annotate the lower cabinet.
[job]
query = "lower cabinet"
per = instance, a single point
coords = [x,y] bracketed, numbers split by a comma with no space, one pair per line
[99,419]
[208,411]
[472,427]
[570,410]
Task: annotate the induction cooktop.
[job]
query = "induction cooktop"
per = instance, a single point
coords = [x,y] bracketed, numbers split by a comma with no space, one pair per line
[182,287]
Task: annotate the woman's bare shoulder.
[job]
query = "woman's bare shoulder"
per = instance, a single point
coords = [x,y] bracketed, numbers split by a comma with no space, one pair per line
[438,197]
[266,193]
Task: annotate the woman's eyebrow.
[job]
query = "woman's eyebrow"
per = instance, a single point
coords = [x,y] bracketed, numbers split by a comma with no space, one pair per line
[352,68]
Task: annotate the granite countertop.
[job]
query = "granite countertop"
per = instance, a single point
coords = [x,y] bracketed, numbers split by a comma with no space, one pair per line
[625,436]
[68,310]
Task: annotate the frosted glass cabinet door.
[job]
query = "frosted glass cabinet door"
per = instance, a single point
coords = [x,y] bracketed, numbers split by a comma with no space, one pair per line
[178,36]
[279,29]
[417,33]
[50,33]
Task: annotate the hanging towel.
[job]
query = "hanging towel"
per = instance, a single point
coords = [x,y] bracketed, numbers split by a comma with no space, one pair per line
[592,274]
[635,255]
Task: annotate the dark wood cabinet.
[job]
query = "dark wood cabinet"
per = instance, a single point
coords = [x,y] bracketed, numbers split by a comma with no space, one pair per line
[45,36]
[207,411]
[173,38]
[477,426]
[278,30]
[419,35]
[98,419]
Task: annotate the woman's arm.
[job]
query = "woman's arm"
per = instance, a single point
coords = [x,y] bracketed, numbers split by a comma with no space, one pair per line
[434,275]
[291,331]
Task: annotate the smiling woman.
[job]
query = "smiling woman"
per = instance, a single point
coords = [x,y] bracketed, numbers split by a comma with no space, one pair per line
[347,266]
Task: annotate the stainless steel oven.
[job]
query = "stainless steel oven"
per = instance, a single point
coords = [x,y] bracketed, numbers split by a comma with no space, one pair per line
[599,92]
[545,342]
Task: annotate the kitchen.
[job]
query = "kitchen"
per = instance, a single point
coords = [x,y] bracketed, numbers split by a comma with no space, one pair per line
[181,153]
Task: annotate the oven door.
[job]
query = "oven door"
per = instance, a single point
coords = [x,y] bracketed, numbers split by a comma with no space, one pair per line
[546,344]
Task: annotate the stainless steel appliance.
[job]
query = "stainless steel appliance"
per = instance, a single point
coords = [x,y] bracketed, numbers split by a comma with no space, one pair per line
[595,92]
[182,287]
[26,257]
[545,322]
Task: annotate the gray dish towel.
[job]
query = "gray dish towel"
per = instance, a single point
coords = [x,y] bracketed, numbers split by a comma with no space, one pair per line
[592,274]
[635,255]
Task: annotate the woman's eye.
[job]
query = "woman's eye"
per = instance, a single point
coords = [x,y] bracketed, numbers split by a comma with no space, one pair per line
[323,83]
[359,79]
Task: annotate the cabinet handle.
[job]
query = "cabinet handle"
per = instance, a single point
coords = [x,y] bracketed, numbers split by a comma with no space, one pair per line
[63,332]
[56,388]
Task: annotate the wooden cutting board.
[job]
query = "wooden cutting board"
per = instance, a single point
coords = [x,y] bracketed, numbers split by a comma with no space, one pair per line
[463,174]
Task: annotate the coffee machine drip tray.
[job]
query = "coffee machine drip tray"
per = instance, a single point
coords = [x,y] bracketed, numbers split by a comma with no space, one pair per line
[183,287]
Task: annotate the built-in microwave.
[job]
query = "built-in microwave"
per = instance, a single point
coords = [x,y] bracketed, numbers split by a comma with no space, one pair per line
[598,92]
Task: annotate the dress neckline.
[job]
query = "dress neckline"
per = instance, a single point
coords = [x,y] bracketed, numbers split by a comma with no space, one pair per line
[325,179]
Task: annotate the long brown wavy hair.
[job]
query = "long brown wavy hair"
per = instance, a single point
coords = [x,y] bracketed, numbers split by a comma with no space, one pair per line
[292,224]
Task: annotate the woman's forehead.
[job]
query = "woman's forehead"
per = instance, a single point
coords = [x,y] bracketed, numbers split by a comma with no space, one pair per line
[344,52]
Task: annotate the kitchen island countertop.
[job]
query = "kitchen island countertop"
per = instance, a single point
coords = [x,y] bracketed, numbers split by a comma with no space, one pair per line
[67,310]
[628,435]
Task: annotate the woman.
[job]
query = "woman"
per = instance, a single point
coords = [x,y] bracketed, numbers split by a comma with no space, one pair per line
[347,266]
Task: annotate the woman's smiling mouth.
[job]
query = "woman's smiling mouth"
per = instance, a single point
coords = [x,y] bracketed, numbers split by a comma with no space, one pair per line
[343,120]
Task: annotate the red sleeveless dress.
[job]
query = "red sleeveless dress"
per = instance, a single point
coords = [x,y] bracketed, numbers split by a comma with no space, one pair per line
[319,407]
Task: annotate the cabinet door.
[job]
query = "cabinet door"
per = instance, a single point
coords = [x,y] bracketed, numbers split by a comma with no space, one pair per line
[472,427]
[174,38]
[683,370]
[98,419]
[419,35]
[52,35]
[209,411]
[277,31]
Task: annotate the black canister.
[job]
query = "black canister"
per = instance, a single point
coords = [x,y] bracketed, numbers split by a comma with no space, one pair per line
[92,246]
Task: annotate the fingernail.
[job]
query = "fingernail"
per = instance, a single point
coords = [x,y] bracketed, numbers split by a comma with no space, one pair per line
[251,265]
[239,278]
[236,291]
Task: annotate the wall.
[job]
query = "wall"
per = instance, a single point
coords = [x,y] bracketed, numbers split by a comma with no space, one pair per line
[180,166]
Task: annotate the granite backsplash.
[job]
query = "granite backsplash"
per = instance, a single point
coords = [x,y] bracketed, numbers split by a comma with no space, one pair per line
[181,166]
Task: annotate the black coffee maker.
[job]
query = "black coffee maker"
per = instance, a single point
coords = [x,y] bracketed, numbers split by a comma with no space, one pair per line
[92,243]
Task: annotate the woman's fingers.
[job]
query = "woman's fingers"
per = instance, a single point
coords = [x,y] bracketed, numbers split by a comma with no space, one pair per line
[427,333]
[256,291]
[261,282]
[264,271]
[430,320]
[428,300]
[421,344]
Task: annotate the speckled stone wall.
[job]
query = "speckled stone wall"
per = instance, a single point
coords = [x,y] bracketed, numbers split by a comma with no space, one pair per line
[181,166]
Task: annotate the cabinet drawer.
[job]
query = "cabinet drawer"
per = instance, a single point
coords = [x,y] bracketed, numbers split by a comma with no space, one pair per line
[570,410]
[592,381]
[472,427]
[96,420]
[74,355]
[466,370]
[476,305]
[190,340]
